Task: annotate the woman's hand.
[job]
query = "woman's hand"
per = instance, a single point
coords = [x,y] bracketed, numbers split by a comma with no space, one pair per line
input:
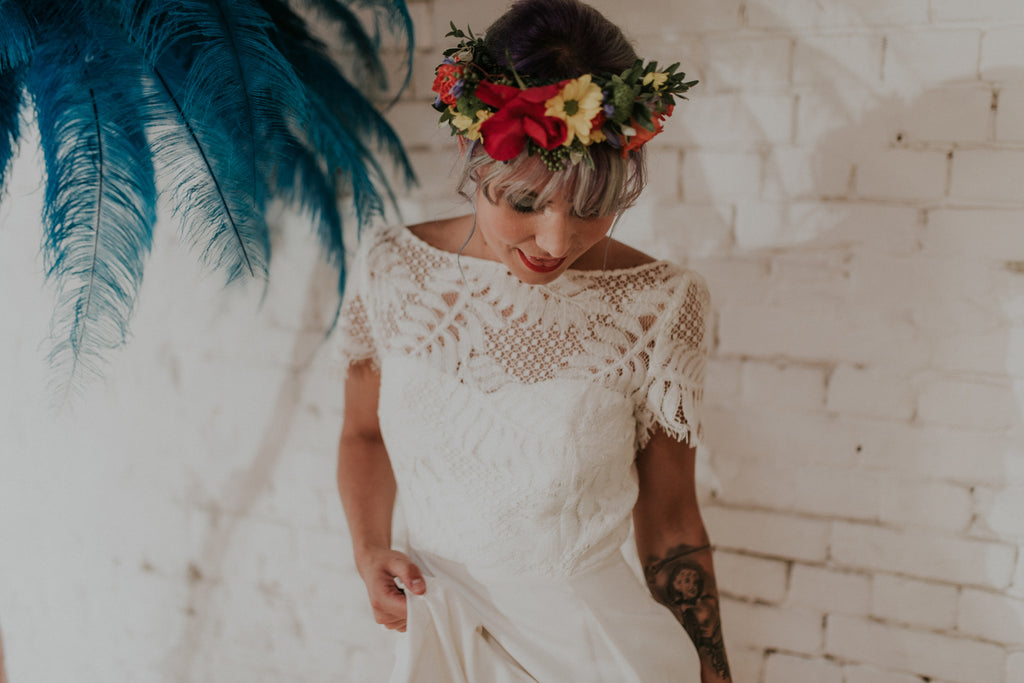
[379,569]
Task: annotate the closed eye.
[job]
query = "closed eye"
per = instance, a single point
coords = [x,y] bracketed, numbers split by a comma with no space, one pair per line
[524,204]
[587,215]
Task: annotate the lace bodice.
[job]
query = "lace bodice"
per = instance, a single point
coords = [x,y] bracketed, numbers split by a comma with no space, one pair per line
[511,412]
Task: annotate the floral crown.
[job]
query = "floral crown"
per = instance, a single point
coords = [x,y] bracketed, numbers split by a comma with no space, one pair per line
[558,121]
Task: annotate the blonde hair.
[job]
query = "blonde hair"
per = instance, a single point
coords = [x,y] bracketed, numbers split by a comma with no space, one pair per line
[610,186]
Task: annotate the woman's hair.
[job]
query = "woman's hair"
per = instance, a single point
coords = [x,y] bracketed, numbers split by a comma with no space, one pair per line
[557,40]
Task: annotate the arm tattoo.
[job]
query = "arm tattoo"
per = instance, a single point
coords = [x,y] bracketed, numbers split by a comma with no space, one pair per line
[687,588]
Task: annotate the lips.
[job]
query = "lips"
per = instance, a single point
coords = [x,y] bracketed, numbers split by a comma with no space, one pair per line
[538,265]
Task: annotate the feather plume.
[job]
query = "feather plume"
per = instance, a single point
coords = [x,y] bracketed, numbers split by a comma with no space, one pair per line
[343,107]
[16,36]
[341,118]
[392,14]
[236,91]
[306,182]
[10,108]
[232,102]
[335,103]
[15,49]
[210,182]
[100,191]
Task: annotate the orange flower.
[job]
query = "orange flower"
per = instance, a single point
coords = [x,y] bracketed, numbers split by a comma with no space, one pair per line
[448,76]
[642,134]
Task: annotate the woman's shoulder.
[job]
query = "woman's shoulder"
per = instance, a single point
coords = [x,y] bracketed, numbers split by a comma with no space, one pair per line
[623,265]
[621,256]
[399,241]
[445,234]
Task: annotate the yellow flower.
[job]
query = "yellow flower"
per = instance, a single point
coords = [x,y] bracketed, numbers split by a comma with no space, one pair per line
[467,125]
[474,130]
[460,121]
[656,77]
[577,104]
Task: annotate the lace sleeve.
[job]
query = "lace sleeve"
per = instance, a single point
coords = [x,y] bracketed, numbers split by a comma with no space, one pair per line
[355,332]
[676,366]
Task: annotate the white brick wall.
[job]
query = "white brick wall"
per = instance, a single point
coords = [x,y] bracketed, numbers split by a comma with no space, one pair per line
[788,669]
[943,657]
[850,178]
[829,591]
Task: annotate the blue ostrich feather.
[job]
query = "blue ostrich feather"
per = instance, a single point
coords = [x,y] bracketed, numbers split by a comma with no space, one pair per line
[393,14]
[239,97]
[306,182]
[16,40]
[11,84]
[333,150]
[100,193]
[338,108]
[16,36]
[342,106]
[210,182]
[226,104]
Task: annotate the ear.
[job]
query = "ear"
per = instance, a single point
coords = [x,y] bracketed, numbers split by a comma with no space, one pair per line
[463,144]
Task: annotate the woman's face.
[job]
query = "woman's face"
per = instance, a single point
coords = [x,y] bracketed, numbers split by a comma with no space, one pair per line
[536,243]
[687,582]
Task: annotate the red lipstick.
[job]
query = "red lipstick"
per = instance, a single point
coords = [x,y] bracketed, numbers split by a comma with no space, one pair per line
[540,265]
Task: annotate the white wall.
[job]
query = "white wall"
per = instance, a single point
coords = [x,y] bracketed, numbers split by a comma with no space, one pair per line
[850,178]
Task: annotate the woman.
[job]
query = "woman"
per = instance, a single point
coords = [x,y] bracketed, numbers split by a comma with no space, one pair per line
[530,386]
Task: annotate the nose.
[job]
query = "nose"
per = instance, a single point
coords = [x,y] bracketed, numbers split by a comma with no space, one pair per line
[554,233]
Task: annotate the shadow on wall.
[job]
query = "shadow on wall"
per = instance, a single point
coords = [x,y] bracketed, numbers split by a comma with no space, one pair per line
[870,301]
[248,487]
[3,669]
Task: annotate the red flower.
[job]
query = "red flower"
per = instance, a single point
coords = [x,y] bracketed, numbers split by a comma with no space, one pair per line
[642,134]
[447,76]
[519,117]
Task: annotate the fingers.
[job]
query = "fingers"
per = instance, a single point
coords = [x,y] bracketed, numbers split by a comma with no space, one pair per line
[386,597]
[411,577]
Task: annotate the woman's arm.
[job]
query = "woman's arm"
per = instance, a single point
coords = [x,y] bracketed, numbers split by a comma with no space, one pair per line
[367,487]
[674,548]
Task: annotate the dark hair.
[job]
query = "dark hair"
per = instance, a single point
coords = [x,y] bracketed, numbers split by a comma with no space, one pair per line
[555,40]
[558,39]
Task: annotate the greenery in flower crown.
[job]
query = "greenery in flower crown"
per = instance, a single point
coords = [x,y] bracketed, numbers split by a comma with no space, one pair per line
[558,121]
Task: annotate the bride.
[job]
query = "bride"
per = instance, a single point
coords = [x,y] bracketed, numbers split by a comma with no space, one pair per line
[529,387]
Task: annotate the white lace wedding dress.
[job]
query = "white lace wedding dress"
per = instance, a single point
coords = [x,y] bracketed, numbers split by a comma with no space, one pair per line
[512,414]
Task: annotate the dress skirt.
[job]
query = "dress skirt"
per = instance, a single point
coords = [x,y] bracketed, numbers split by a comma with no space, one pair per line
[598,626]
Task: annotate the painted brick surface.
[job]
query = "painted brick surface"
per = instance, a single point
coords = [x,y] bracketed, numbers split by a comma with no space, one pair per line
[768,534]
[829,591]
[849,177]
[943,657]
[753,578]
[1009,121]
[914,58]
[917,603]
[880,393]
[925,555]
[903,174]
[793,630]
[991,617]
[988,175]
[782,668]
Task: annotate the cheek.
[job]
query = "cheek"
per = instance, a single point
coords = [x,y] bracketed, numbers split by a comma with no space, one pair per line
[596,230]
[507,231]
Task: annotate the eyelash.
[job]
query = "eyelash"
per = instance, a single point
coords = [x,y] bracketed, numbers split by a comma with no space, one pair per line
[522,205]
[527,207]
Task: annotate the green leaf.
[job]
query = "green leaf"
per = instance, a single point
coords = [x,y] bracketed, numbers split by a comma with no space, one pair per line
[642,116]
